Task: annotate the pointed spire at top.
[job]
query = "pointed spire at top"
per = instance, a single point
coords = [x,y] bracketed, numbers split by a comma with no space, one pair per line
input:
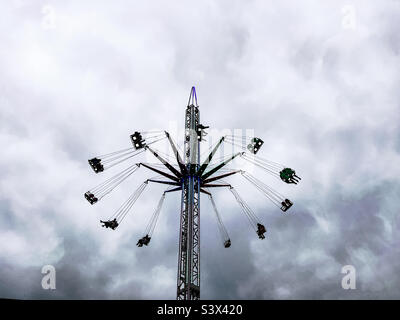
[193,97]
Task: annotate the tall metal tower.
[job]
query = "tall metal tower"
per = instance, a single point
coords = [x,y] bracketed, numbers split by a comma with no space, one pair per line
[192,178]
[189,235]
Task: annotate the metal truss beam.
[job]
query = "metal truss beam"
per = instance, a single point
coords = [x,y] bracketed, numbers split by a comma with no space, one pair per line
[176,153]
[164,182]
[222,164]
[216,185]
[220,177]
[209,158]
[164,162]
[173,190]
[159,172]
[205,191]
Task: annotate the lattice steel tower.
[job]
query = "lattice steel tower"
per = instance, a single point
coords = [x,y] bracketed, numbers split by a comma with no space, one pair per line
[191,178]
[189,235]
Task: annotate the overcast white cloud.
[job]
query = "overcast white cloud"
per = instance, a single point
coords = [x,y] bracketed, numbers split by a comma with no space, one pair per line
[319,81]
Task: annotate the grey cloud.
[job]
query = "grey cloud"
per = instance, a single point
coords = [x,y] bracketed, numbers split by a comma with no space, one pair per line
[324,99]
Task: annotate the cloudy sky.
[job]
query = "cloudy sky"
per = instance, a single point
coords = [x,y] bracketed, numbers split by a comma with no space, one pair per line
[319,81]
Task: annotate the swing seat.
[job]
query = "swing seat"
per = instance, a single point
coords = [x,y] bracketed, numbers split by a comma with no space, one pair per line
[144,241]
[289,176]
[90,197]
[137,141]
[96,165]
[286,204]
[255,145]
[113,224]
[261,230]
